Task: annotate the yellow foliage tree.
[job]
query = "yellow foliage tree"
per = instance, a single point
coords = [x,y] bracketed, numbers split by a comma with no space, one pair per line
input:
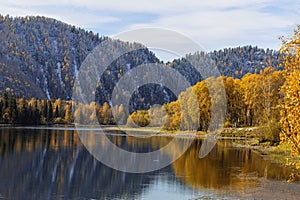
[139,118]
[290,112]
[68,114]
[173,118]
[252,99]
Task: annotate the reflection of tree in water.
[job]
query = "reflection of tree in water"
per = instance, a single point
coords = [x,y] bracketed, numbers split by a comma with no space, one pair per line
[45,164]
[225,167]
[138,144]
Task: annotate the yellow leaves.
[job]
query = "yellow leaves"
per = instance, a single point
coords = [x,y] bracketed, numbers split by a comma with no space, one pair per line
[290,113]
[298,165]
[139,118]
[291,178]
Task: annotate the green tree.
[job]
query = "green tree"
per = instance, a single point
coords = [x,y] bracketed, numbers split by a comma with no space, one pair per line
[1,110]
[36,113]
[23,111]
[45,111]
[49,111]
[56,113]
[13,110]
[5,109]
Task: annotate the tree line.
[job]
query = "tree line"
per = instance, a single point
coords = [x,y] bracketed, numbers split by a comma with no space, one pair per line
[19,110]
[253,100]
[270,99]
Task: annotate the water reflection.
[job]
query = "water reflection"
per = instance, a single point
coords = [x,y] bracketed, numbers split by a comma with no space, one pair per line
[134,154]
[51,164]
[225,166]
[46,164]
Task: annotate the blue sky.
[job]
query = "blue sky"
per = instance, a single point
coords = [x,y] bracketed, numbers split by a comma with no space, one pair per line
[214,24]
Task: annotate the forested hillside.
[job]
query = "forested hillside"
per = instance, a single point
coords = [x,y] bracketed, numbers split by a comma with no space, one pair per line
[231,62]
[40,57]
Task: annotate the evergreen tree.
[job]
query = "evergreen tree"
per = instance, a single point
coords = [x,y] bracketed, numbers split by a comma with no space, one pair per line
[36,113]
[49,112]
[56,113]
[23,111]
[12,108]
[5,114]
[1,108]
[45,110]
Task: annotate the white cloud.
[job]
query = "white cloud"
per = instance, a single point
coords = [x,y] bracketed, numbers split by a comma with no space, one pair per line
[215,29]
[149,6]
[214,23]
[71,16]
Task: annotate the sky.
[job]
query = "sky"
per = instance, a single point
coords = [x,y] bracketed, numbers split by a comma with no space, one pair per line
[213,24]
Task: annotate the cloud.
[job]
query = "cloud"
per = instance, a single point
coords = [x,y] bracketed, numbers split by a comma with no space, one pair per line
[68,14]
[148,6]
[228,26]
[214,24]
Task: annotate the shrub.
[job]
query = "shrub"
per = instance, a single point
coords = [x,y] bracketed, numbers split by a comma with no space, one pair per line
[269,133]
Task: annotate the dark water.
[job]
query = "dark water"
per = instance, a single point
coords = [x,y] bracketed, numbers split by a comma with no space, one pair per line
[53,164]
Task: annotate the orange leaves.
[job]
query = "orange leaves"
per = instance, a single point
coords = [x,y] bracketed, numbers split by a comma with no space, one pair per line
[290,112]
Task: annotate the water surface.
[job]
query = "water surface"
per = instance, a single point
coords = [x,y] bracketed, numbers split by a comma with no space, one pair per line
[53,164]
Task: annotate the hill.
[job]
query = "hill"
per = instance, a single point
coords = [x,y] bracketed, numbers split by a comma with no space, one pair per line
[40,57]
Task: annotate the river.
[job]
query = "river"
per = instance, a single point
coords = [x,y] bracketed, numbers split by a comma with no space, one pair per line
[52,163]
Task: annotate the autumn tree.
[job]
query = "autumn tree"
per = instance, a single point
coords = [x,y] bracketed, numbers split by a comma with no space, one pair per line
[235,103]
[252,99]
[204,99]
[157,116]
[173,117]
[120,114]
[270,82]
[105,116]
[68,114]
[290,112]
[188,108]
[139,118]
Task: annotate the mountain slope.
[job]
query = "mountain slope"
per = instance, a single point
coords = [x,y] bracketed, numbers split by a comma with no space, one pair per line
[39,57]
[49,54]
[233,62]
